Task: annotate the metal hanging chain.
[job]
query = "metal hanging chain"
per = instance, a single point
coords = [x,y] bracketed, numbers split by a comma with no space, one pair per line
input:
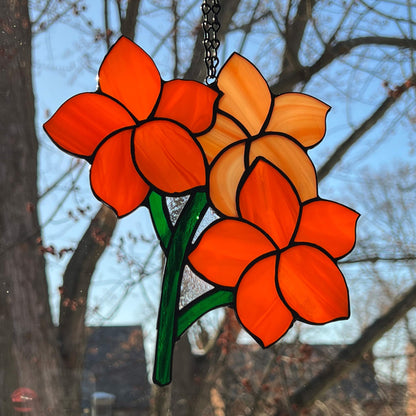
[210,26]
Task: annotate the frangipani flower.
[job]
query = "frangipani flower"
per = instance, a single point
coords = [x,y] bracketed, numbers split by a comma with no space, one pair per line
[280,255]
[136,130]
[251,122]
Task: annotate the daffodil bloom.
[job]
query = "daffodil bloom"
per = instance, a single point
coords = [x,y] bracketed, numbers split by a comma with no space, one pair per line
[137,131]
[279,254]
[251,122]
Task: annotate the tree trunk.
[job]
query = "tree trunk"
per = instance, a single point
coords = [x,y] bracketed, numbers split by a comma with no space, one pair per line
[194,376]
[73,306]
[29,354]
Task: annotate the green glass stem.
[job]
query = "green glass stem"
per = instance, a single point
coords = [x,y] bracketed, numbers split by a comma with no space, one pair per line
[176,257]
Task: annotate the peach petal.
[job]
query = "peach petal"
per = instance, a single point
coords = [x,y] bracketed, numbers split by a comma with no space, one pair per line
[300,116]
[224,133]
[286,155]
[246,94]
[224,178]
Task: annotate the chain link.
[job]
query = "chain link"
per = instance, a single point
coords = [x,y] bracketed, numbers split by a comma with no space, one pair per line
[210,26]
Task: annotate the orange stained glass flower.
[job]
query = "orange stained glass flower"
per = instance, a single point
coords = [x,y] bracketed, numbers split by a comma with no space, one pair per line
[280,255]
[137,131]
[252,122]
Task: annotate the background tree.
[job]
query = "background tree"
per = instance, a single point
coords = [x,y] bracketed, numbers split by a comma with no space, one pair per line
[356,55]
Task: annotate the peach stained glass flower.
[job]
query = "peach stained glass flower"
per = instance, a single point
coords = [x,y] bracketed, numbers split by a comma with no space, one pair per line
[252,122]
[279,254]
[137,131]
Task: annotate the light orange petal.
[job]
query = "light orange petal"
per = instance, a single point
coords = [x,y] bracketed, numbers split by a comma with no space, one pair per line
[329,225]
[268,200]
[300,116]
[291,159]
[246,94]
[259,306]
[114,178]
[82,122]
[312,285]
[188,102]
[224,132]
[130,75]
[226,248]
[168,157]
[224,178]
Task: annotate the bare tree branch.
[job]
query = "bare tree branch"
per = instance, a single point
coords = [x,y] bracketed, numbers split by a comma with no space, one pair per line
[293,36]
[287,81]
[174,7]
[375,259]
[351,354]
[60,179]
[365,126]
[45,8]
[106,24]
[385,15]
[128,23]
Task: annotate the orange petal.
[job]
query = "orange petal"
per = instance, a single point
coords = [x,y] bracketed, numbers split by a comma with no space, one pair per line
[83,121]
[168,157]
[267,199]
[114,178]
[300,116]
[291,159]
[224,132]
[329,225]
[246,94]
[312,285]
[129,75]
[259,306]
[226,248]
[188,102]
[224,178]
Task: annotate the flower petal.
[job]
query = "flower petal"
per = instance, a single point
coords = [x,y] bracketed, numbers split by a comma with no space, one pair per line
[224,132]
[312,285]
[291,159]
[329,225]
[114,178]
[188,102]
[168,157]
[246,94]
[129,75]
[300,116]
[224,178]
[259,306]
[226,248]
[82,122]
[268,200]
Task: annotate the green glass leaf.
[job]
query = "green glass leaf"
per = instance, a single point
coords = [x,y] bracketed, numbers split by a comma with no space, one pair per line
[160,218]
[200,306]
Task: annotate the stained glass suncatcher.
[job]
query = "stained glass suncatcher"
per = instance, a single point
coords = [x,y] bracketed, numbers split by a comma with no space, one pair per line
[236,148]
